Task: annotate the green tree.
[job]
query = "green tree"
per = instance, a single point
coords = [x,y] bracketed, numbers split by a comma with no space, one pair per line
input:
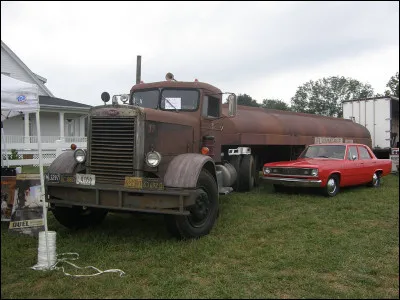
[246,100]
[325,96]
[393,85]
[275,104]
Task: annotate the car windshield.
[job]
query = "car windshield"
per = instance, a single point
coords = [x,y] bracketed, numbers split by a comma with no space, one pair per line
[324,151]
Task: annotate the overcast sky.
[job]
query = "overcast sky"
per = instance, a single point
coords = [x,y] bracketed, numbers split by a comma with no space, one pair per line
[263,49]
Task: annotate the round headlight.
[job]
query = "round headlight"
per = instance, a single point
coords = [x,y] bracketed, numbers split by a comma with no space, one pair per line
[153,159]
[79,155]
[314,172]
[267,170]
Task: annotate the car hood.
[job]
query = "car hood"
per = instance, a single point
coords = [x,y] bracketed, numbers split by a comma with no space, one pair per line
[305,163]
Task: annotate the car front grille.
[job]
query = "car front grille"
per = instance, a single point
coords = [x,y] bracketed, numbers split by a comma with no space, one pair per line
[291,171]
[112,149]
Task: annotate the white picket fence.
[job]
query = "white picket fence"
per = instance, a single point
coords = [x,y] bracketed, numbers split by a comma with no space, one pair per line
[27,153]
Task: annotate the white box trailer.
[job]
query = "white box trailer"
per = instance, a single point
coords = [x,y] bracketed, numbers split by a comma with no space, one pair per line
[380,115]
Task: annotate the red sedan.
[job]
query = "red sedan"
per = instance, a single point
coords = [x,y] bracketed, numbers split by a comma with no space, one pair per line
[329,166]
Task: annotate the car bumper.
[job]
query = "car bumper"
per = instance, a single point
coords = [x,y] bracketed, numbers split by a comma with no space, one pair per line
[294,181]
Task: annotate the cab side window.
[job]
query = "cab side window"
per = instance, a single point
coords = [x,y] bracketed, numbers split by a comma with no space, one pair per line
[364,154]
[352,152]
[211,107]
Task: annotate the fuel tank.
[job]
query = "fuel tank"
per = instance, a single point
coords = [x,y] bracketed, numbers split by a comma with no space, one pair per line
[259,126]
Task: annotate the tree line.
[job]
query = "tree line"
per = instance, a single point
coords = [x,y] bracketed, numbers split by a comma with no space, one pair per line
[324,96]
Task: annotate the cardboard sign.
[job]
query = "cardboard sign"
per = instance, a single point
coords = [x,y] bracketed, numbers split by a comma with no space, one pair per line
[27,211]
[7,196]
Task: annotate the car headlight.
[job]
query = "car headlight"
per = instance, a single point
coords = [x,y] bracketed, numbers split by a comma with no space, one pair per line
[314,172]
[267,170]
[80,155]
[153,159]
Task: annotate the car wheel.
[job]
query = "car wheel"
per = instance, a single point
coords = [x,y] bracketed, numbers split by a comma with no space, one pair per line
[376,180]
[332,186]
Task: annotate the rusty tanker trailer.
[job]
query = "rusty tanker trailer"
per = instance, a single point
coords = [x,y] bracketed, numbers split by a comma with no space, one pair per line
[172,148]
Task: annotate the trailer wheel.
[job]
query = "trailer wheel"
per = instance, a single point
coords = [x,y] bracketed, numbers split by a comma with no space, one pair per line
[246,174]
[202,215]
[78,217]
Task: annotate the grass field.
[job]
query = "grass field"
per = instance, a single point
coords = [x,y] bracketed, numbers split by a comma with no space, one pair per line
[264,245]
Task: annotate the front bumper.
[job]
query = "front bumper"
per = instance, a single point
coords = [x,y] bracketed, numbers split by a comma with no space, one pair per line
[287,181]
[112,197]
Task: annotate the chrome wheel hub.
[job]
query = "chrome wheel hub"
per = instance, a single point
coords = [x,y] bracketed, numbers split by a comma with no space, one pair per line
[331,186]
[374,179]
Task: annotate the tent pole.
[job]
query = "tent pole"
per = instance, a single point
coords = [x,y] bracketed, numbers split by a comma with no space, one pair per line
[5,146]
[42,193]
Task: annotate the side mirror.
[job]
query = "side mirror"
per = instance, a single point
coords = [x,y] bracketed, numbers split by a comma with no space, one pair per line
[354,157]
[232,104]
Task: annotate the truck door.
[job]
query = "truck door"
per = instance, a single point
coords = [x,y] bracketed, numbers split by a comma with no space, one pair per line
[212,123]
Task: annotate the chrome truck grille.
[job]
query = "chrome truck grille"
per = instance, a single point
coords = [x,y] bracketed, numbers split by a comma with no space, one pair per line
[112,149]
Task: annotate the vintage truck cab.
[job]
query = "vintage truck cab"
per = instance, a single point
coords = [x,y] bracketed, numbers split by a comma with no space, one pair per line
[153,150]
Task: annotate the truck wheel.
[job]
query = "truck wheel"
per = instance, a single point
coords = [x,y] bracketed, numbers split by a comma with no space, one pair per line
[246,174]
[332,186]
[376,180]
[78,217]
[202,215]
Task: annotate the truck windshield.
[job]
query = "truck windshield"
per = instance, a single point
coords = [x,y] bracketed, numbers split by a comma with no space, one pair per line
[170,99]
[324,151]
[176,99]
[148,99]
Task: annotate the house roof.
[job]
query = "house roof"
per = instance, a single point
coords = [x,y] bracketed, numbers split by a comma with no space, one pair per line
[46,101]
[23,66]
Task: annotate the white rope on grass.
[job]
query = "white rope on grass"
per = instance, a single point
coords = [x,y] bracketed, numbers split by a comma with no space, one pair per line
[45,257]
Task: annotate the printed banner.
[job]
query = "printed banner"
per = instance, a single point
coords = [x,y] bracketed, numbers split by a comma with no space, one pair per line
[27,211]
[7,196]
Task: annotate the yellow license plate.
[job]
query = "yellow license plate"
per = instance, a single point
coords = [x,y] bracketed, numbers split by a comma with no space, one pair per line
[141,183]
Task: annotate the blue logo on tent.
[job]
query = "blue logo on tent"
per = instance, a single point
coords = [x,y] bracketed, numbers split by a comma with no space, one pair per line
[21,98]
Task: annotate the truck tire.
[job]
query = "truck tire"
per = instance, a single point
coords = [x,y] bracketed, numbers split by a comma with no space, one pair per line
[78,217]
[246,175]
[203,214]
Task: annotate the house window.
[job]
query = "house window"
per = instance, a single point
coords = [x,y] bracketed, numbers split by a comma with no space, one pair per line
[70,127]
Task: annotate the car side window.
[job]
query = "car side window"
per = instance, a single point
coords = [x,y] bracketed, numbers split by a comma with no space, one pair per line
[364,154]
[352,151]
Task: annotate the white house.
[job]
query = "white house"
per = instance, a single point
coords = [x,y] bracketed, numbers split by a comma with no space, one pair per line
[60,119]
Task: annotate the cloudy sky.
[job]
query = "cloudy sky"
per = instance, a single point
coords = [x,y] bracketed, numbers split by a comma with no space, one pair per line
[263,49]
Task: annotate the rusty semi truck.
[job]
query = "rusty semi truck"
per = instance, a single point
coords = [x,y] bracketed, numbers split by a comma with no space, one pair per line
[173,147]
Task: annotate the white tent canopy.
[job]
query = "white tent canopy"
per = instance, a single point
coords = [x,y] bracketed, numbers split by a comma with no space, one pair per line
[16,97]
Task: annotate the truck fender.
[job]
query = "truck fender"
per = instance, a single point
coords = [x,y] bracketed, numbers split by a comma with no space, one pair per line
[183,171]
[65,164]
